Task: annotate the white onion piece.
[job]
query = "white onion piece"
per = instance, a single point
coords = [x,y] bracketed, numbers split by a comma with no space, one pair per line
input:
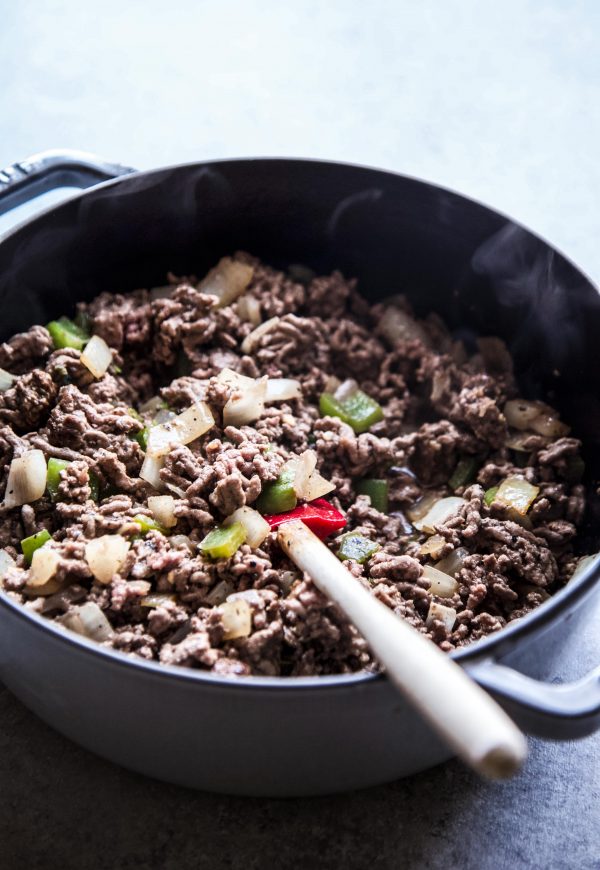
[252,596]
[346,389]
[421,507]
[6,562]
[520,413]
[181,541]
[182,429]
[236,617]
[246,404]
[44,563]
[444,614]
[95,624]
[235,380]
[550,426]
[251,342]
[440,584]
[439,513]
[96,356]
[89,621]
[517,493]
[150,470]
[453,562]
[257,528]
[26,479]
[219,593]
[227,280]
[158,599]
[396,325]
[433,546]
[163,508]
[301,467]
[248,308]
[317,487]
[282,390]
[105,555]
[6,380]
[152,405]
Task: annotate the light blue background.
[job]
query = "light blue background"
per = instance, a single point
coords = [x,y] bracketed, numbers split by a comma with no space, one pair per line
[497,100]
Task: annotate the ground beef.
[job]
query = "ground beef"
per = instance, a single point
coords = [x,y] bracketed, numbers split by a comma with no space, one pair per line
[443,410]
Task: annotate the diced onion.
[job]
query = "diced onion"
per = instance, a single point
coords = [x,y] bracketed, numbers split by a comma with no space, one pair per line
[227,280]
[96,356]
[308,483]
[158,599]
[151,406]
[246,405]
[182,429]
[89,621]
[44,563]
[252,596]
[550,426]
[346,389]
[441,613]
[453,562]
[26,479]
[440,584]
[236,617]
[282,390]
[248,308]
[234,379]
[421,507]
[396,325]
[517,493]
[163,508]
[251,342]
[6,562]
[181,541]
[439,513]
[536,416]
[150,470]
[219,593]
[433,546]
[520,413]
[105,555]
[317,487]
[6,380]
[257,528]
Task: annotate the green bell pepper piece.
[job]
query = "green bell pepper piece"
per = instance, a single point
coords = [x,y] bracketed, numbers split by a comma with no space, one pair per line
[464,472]
[278,496]
[55,466]
[377,490]
[65,333]
[223,541]
[490,495]
[356,547]
[357,410]
[34,542]
[148,524]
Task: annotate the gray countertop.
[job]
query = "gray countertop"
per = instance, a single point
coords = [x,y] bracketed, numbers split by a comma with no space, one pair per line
[497,101]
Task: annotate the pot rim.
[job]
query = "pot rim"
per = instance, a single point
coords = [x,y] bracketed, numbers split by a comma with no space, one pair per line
[491,646]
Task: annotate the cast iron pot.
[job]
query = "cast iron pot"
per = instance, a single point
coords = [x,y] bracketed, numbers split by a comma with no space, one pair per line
[482,272]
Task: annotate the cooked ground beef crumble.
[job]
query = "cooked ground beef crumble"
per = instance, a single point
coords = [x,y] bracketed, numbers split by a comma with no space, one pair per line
[444,432]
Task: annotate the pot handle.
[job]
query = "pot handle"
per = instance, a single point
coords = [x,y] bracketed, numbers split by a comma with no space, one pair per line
[564,711]
[48,170]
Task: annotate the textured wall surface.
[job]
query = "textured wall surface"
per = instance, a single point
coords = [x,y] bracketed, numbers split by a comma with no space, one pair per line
[499,101]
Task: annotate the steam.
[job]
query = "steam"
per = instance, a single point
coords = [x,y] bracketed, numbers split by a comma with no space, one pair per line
[526,275]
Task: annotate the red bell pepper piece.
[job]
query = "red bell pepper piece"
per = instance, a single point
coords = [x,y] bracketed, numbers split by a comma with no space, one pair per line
[319,515]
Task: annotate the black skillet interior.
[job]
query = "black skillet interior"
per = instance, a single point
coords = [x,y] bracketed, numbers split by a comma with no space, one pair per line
[484,274]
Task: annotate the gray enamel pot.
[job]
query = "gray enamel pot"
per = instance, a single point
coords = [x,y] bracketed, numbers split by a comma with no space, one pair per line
[482,272]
